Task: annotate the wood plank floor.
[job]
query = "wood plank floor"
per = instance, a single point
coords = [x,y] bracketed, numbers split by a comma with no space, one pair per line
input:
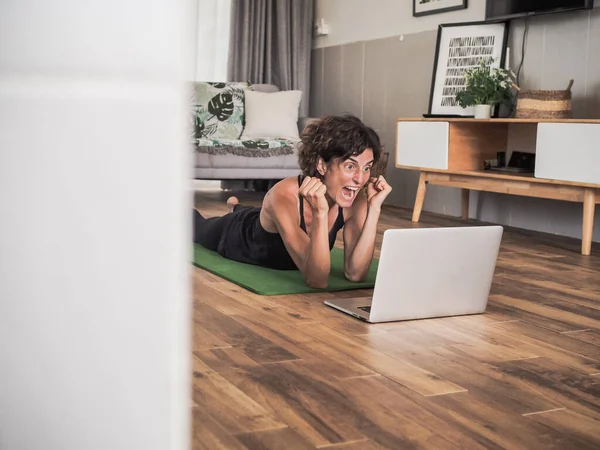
[287,372]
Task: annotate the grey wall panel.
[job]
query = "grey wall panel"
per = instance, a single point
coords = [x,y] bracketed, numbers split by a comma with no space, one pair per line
[332,81]
[565,54]
[593,65]
[531,70]
[352,75]
[377,57]
[490,207]
[408,75]
[315,106]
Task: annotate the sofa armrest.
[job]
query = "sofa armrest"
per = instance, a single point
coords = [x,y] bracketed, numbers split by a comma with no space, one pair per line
[303,122]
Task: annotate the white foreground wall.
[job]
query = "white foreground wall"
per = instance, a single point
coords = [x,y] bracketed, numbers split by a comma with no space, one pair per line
[94,212]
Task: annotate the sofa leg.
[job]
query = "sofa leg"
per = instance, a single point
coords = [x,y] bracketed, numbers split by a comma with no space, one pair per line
[261,185]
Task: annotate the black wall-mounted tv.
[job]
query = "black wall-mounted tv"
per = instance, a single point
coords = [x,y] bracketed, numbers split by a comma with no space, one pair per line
[510,9]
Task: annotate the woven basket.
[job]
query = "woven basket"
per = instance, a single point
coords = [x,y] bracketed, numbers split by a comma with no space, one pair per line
[543,104]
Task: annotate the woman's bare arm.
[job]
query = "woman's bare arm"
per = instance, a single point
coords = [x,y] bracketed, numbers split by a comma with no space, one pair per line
[360,230]
[310,252]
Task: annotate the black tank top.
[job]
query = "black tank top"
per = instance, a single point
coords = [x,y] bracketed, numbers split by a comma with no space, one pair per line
[245,239]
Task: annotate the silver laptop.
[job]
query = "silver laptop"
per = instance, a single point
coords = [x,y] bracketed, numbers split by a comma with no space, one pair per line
[429,272]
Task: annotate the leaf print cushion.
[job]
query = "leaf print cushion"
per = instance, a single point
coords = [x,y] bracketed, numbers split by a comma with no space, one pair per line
[219,109]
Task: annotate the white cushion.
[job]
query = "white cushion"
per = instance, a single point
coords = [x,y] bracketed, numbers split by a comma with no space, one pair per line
[271,115]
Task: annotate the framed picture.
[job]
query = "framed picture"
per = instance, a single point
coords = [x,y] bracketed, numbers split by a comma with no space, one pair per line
[461,46]
[426,7]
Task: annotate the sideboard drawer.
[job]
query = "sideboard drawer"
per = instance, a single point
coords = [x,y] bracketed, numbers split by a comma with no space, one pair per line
[568,152]
[422,144]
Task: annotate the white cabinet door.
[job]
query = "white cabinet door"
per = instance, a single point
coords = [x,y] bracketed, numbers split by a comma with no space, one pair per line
[568,152]
[422,144]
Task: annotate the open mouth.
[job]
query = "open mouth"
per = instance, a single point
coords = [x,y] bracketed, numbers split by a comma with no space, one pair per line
[349,192]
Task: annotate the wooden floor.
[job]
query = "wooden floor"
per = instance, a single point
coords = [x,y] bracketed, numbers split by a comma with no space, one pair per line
[287,372]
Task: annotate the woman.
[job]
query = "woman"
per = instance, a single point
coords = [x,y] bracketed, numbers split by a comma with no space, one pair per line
[297,224]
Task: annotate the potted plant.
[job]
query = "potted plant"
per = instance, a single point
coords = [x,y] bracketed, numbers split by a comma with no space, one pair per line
[486,87]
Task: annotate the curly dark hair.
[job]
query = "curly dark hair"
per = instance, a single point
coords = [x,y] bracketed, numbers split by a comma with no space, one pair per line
[335,137]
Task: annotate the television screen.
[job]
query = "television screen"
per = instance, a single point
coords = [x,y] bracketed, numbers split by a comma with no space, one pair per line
[507,9]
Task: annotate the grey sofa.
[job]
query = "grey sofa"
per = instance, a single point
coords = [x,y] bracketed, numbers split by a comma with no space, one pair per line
[248,164]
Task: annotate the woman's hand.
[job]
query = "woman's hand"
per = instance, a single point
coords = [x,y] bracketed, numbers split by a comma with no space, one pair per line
[377,190]
[313,190]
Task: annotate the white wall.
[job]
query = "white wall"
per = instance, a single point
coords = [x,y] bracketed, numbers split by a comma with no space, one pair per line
[358,20]
[94,213]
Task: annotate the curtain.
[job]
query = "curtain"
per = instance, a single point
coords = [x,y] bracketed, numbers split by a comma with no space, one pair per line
[271,42]
[214,20]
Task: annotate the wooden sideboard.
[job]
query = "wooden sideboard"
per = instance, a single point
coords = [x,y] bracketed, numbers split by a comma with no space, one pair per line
[451,152]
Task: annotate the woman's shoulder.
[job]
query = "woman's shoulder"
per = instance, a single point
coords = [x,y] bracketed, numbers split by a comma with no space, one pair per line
[280,205]
[285,190]
[288,187]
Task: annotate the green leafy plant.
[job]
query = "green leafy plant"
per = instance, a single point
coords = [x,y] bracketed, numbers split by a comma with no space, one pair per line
[486,85]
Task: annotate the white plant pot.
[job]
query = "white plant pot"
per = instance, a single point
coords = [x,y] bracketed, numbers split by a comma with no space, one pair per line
[483,111]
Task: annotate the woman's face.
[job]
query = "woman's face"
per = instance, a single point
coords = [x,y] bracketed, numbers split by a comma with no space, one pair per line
[345,177]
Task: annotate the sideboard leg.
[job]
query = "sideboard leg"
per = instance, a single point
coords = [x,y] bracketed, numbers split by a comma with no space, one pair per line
[465,203]
[589,203]
[420,197]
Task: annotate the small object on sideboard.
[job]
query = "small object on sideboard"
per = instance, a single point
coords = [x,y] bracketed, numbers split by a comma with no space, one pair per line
[489,164]
[520,162]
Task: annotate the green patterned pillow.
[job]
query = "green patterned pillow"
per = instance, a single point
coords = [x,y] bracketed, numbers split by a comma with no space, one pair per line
[219,110]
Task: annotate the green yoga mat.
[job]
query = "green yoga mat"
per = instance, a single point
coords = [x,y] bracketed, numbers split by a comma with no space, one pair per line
[266,281]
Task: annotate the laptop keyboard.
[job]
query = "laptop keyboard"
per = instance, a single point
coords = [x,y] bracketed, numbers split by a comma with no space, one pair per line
[365,308]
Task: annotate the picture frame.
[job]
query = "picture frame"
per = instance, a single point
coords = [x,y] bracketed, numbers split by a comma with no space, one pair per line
[427,7]
[460,46]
